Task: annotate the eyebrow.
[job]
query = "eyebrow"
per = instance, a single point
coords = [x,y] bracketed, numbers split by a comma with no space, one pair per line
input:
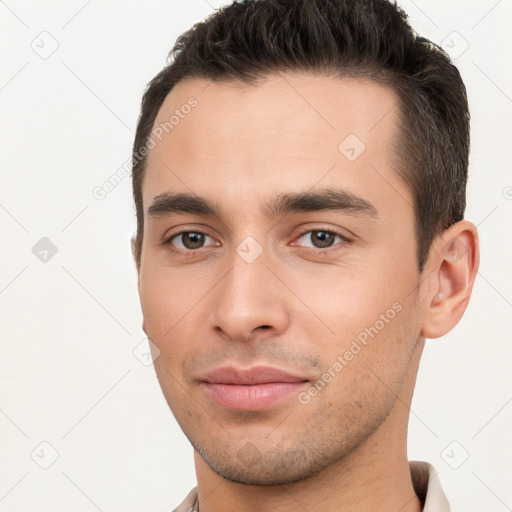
[280,205]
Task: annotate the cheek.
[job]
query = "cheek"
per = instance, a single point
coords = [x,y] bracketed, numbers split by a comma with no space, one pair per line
[156,303]
[169,298]
[350,296]
[358,309]
[364,367]
[174,306]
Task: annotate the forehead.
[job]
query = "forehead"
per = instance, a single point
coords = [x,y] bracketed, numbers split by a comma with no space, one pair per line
[300,103]
[290,128]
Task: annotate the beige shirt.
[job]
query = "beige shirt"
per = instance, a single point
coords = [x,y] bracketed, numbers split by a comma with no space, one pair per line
[424,478]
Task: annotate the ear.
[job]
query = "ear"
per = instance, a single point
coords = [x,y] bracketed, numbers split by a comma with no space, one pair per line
[450,274]
[133,245]
[134,252]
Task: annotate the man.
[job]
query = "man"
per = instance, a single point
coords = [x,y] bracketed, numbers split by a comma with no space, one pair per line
[299,179]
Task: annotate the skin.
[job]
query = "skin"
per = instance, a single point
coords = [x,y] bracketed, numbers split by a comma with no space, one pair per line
[291,308]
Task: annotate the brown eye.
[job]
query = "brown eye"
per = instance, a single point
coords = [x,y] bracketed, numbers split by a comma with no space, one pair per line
[189,240]
[319,239]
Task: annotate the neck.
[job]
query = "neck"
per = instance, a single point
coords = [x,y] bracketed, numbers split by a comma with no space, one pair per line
[373,476]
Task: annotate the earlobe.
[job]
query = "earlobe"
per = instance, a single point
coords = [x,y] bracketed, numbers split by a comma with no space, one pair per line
[453,265]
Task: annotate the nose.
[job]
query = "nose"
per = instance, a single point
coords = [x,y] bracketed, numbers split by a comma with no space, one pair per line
[249,301]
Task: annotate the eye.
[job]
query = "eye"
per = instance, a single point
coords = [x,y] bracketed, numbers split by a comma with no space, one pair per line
[320,239]
[189,240]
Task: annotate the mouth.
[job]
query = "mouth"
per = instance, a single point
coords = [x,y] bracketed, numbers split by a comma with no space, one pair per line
[252,389]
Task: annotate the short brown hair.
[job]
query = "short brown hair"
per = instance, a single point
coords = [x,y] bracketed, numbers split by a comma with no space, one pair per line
[248,40]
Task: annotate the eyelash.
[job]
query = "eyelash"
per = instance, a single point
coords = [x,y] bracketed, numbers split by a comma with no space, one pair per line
[310,250]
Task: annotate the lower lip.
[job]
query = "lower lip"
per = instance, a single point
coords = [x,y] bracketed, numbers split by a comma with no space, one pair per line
[251,397]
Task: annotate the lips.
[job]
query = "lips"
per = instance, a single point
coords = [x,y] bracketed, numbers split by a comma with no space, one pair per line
[250,376]
[252,389]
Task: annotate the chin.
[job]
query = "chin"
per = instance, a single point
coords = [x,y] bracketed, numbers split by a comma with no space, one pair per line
[250,466]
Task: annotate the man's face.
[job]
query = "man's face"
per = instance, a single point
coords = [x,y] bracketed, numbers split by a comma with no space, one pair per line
[266,278]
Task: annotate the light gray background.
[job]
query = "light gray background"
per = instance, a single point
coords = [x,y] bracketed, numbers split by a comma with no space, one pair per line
[70,324]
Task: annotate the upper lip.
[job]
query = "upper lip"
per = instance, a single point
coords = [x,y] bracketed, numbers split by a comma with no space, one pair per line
[248,376]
